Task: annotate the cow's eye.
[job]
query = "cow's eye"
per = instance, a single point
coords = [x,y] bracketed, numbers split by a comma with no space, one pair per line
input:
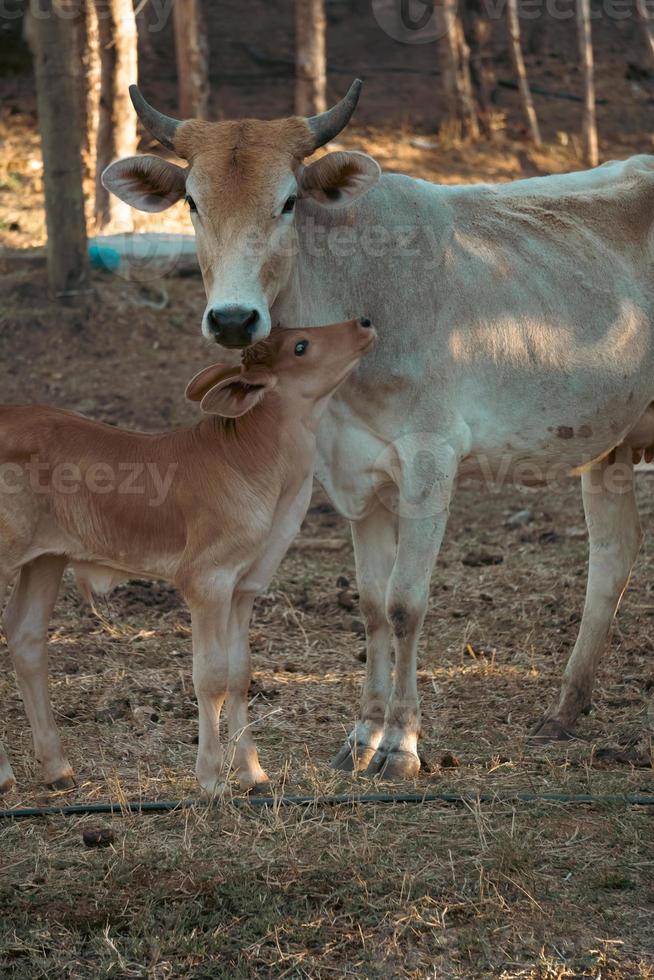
[289,204]
[191,203]
[300,347]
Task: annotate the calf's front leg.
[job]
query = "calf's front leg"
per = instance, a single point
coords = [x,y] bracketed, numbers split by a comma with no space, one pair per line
[245,757]
[210,621]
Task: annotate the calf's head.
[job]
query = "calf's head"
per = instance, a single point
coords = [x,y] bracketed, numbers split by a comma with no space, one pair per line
[304,366]
[242,183]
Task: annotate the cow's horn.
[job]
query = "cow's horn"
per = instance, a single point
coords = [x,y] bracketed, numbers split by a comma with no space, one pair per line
[161,127]
[329,124]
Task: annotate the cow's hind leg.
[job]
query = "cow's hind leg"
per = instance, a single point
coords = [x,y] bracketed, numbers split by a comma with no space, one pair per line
[375,542]
[25,622]
[615,537]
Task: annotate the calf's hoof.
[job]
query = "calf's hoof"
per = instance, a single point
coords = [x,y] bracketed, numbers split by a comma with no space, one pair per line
[393,764]
[550,730]
[7,784]
[262,788]
[63,783]
[352,757]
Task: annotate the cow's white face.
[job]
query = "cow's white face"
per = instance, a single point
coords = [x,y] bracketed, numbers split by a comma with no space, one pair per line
[242,184]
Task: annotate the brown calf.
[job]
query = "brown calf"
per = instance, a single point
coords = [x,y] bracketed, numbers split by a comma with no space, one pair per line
[211,509]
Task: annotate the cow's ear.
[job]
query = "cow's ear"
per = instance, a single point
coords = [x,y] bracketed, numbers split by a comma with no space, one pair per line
[236,395]
[198,386]
[338,177]
[147,183]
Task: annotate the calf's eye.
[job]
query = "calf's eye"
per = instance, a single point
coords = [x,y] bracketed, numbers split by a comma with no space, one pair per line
[300,347]
[289,204]
[191,203]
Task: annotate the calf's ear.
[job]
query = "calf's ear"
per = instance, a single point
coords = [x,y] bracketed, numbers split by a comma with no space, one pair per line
[337,178]
[147,183]
[236,395]
[204,380]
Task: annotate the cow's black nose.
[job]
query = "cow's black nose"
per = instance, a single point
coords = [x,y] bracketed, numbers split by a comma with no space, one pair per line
[233,326]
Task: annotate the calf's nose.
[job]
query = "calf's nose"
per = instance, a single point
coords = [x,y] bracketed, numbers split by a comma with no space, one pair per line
[233,326]
[365,321]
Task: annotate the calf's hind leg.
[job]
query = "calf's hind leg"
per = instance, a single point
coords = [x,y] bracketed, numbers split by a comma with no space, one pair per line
[7,779]
[614,536]
[25,622]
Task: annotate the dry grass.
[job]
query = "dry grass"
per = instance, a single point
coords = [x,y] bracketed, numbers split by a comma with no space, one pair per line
[433,891]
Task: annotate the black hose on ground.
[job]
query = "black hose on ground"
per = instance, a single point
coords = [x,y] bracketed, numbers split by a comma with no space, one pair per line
[164,806]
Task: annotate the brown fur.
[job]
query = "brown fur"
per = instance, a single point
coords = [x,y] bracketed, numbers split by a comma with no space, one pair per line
[240,159]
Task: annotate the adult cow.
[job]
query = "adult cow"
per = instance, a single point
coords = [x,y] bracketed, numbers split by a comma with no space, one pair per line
[515,326]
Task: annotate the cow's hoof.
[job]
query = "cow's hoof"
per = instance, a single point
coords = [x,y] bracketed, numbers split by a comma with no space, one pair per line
[393,765]
[352,758]
[551,730]
[7,784]
[63,783]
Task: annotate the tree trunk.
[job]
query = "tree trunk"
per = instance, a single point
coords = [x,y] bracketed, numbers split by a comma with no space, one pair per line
[89,55]
[513,24]
[192,54]
[591,157]
[454,56]
[478,31]
[310,57]
[645,20]
[56,64]
[117,122]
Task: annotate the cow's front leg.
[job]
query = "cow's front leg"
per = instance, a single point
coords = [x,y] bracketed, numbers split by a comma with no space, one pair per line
[375,542]
[614,538]
[425,492]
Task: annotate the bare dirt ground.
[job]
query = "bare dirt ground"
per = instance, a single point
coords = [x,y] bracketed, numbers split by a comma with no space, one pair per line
[533,891]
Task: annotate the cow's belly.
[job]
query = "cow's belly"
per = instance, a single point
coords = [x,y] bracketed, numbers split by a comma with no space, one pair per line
[538,450]
[542,452]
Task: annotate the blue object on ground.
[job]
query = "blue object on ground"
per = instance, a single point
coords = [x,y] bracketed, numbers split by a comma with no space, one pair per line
[103,257]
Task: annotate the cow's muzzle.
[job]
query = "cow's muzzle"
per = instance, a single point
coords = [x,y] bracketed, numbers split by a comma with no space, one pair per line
[233,326]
